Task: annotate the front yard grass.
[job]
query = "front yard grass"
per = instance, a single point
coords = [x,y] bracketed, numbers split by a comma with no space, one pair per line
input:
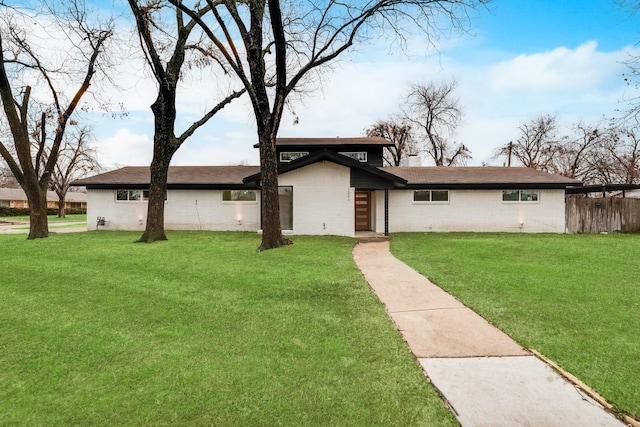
[199,330]
[574,298]
[50,218]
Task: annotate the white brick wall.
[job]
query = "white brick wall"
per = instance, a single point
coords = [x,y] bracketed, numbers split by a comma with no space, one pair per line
[322,199]
[323,204]
[472,210]
[184,210]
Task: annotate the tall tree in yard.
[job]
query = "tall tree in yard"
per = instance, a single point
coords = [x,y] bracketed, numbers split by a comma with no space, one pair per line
[434,110]
[166,46]
[28,71]
[284,45]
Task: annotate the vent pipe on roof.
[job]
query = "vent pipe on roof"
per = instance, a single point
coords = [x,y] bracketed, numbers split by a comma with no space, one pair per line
[413,160]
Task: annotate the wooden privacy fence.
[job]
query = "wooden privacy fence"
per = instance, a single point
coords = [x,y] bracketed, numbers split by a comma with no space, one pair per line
[602,215]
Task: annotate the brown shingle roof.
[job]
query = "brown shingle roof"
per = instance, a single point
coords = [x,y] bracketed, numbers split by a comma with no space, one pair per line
[478,176]
[178,175]
[436,177]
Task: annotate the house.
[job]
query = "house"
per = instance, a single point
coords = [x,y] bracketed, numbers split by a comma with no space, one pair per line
[16,198]
[337,186]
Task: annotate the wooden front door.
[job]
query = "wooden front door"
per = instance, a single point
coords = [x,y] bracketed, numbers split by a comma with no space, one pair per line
[363,210]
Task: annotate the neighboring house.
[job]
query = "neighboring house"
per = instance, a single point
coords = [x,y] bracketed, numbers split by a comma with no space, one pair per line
[15,198]
[337,186]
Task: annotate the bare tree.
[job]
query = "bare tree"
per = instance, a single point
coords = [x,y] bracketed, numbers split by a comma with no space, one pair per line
[537,145]
[624,148]
[433,109]
[303,38]
[166,46]
[76,159]
[22,61]
[400,133]
[579,155]
[7,180]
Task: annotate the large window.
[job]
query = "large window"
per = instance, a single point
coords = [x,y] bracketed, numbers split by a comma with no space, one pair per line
[423,196]
[285,195]
[5,203]
[134,195]
[130,195]
[520,196]
[238,196]
[360,156]
[289,156]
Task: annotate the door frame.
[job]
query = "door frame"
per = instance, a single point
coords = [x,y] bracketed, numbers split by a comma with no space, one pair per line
[360,195]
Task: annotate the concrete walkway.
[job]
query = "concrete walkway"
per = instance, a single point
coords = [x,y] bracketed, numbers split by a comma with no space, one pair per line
[486,378]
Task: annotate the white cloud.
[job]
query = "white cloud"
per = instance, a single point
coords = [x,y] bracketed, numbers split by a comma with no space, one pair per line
[561,69]
[124,148]
[576,84]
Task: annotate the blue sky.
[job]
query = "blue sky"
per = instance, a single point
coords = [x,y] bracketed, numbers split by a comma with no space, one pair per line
[521,59]
[519,26]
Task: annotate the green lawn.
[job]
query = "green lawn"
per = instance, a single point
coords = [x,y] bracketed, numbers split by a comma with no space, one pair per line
[199,330]
[50,218]
[574,298]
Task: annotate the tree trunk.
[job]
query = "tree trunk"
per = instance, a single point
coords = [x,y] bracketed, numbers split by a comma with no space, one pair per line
[154,229]
[271,228]
[38,225]
[61,210]
[164,114]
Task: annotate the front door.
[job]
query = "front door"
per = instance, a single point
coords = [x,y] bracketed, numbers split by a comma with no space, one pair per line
[363,210]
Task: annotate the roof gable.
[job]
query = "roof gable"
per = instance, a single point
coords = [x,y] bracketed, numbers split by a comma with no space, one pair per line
[334,157]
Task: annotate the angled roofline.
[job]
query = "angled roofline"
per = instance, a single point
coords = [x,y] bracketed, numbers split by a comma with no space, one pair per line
[334,142]
[334,157]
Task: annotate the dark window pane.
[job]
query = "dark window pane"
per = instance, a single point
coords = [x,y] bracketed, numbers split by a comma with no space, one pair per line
[529,195]
[422,196]
[510,195]
[439,196]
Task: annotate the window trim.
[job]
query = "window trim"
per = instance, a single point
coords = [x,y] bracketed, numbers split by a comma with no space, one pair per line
[361,156]
[129,195]
[431,201]
[295,154]
[247,202]
[144,196]
[536,192]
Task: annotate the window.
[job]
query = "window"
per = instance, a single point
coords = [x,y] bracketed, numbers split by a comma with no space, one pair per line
[431,196]
[4,203]
[123,195]
[133,195]
[360,156]
[520,196]
[285,194]
[238,196]
[289,156]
